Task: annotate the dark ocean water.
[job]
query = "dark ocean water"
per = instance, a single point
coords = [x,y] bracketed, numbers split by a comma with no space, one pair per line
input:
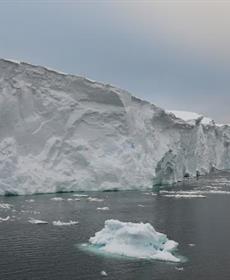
[30,251]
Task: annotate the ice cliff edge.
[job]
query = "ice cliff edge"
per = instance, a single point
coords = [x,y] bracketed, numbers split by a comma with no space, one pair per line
[62,132]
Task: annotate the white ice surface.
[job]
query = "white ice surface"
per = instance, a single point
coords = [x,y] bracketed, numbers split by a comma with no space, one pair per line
[136,240]
[68,133]
[103,208]
[95,199]
[35,221]
[191,116]
[60,223]
[57,199]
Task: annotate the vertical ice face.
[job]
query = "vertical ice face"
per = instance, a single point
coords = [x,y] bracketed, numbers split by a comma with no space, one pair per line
[62,132]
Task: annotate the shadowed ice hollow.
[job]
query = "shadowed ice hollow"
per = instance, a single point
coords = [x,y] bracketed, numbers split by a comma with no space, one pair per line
[136,240]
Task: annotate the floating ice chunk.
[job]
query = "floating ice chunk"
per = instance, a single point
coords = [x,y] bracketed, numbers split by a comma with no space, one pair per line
[30,200]
[136,240]
[95,199]
[218,192]
[57,198]
[5,205]
[104,273]
[185,195]
[179,268]
[60,223]
[103,208]
[140,205]
[35,221]
[80,195]
[150,193]
[4,219]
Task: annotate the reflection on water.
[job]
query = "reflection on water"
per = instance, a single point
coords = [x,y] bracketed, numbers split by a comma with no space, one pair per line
[44,251]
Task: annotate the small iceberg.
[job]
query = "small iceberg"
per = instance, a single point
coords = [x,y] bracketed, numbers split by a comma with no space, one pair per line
[104,273]
[137,240]
[35,221]
[60,223]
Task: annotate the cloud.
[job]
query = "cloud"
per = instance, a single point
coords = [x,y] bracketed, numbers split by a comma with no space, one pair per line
[198,26]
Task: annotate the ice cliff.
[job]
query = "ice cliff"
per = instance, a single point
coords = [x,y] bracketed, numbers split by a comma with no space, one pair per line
[61,132]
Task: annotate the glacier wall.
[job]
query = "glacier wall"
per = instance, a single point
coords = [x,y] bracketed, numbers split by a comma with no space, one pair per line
[61,132]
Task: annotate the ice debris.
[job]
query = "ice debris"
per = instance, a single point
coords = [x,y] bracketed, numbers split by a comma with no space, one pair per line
[103,208]
[104,273]
[35,221]
[60,223]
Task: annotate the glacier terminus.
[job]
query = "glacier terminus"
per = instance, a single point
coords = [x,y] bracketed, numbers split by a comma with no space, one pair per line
[62,132]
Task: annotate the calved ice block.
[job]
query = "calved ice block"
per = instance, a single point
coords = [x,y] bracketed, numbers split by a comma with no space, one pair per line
[138,240]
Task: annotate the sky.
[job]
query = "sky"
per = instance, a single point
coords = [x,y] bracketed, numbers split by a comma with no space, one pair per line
[175,54]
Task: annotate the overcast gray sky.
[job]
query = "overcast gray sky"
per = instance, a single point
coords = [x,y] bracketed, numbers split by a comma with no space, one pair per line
[175,54]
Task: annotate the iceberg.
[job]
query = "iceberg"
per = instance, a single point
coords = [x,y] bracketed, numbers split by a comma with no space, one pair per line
[65,133]
[136,240]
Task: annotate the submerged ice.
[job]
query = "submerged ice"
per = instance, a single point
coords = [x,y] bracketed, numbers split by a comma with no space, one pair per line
[137,240]
[66,133]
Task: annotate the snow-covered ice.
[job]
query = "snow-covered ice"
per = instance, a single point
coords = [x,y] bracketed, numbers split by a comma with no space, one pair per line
[137,240]
[67,133]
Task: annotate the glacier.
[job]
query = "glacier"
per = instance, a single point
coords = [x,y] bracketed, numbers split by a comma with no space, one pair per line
[63,132]
[137,240]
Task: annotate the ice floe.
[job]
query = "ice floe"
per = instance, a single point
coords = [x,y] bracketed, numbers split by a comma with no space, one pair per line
[95,199]
[35,221]
[185,195]
[57,198]
[80,195]
[60,223]
[103,208]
